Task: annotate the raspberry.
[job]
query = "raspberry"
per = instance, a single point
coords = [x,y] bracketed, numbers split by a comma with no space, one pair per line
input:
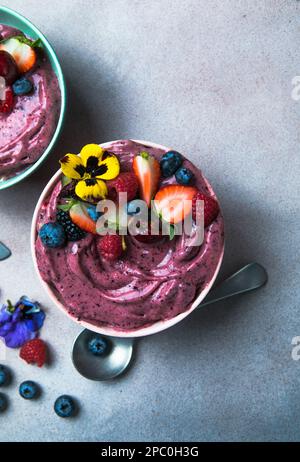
[211,208]
[125,182]
[110,246]
[34,352]
[7,104]
[73,232]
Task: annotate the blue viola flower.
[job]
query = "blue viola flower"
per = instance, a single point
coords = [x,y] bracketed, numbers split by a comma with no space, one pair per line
[20,322]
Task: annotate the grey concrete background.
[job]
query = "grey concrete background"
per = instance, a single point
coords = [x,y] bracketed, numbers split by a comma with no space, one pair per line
[213,80]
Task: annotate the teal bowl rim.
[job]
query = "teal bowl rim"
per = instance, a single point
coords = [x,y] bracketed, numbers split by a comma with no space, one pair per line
[62,85]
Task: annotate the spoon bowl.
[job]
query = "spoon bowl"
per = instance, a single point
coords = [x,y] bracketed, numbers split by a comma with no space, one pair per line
[105,367]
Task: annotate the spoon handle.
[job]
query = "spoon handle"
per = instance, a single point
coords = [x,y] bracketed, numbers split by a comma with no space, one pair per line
[248,278]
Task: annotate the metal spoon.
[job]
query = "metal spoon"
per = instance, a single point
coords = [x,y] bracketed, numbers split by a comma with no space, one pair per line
[117,360]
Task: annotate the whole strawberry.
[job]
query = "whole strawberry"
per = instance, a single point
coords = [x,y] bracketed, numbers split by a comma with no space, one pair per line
[34,352]
[126,182]
[110,246]
[211,208]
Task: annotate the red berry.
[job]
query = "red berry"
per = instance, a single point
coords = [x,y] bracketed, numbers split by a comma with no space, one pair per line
[34,352]
[125,182]
[211,207]
[8,67]
[110,246]
[7,104]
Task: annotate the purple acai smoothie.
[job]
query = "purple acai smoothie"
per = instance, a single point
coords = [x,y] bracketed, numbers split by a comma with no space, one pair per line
[151,282]
[27,130]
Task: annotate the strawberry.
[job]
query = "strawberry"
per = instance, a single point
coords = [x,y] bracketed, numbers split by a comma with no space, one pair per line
[110,246]
[147,170]
[174,202]
[22,50]
[125,182]
[211,208]
[8,67]
[7,103]
[34,352]
[80,217]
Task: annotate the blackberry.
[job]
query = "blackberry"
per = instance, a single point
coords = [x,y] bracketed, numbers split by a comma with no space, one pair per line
[73,232]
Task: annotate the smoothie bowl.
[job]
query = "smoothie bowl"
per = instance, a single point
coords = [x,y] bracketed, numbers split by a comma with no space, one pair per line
[120,283]
[32,98]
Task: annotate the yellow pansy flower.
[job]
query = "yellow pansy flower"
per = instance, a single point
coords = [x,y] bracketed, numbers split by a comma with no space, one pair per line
[90,169]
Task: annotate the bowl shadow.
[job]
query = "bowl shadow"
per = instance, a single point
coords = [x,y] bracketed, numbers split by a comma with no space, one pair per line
[242,246]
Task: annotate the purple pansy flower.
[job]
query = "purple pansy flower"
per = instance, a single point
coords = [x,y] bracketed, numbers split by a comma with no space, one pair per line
[21,322]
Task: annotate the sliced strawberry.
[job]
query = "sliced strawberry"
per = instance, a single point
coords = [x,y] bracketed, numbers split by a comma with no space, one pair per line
[147,170]
[174,202]
[80,217]
[21,50]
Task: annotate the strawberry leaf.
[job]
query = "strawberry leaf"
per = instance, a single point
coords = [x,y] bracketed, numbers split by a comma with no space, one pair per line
[22,39]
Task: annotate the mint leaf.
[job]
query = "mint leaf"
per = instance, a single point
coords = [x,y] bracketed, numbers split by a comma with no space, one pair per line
[69,203]
[65,180]
[64,207]
[172,232]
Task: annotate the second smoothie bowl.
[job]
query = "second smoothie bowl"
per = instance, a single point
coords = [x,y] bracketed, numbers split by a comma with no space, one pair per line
[32,98]
[113,280]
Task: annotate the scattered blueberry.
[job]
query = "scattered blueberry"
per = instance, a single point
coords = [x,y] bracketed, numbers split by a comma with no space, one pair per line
[184,176]
[133,208]
[98,346]
[3,402]
[92,211]
[52,235]
[4,375]
[170,162]
[22,86]
[29,390]
[64,406]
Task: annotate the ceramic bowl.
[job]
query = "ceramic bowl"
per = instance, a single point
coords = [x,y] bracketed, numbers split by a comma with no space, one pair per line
[152,329]
[14,19]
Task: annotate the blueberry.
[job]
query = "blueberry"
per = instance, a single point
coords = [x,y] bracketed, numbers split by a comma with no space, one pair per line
[52,235]
[184,176]
[92,211]
[64,406]
[170,162]
[98,346]
[22,86]
[133,208]
[3,402]
[29,390]
[4,375]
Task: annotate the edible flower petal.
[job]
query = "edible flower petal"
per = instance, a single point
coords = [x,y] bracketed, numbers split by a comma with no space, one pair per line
[72,166]
[90,150]
[91,168]
[20,322]
[91,190]
[109,168]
